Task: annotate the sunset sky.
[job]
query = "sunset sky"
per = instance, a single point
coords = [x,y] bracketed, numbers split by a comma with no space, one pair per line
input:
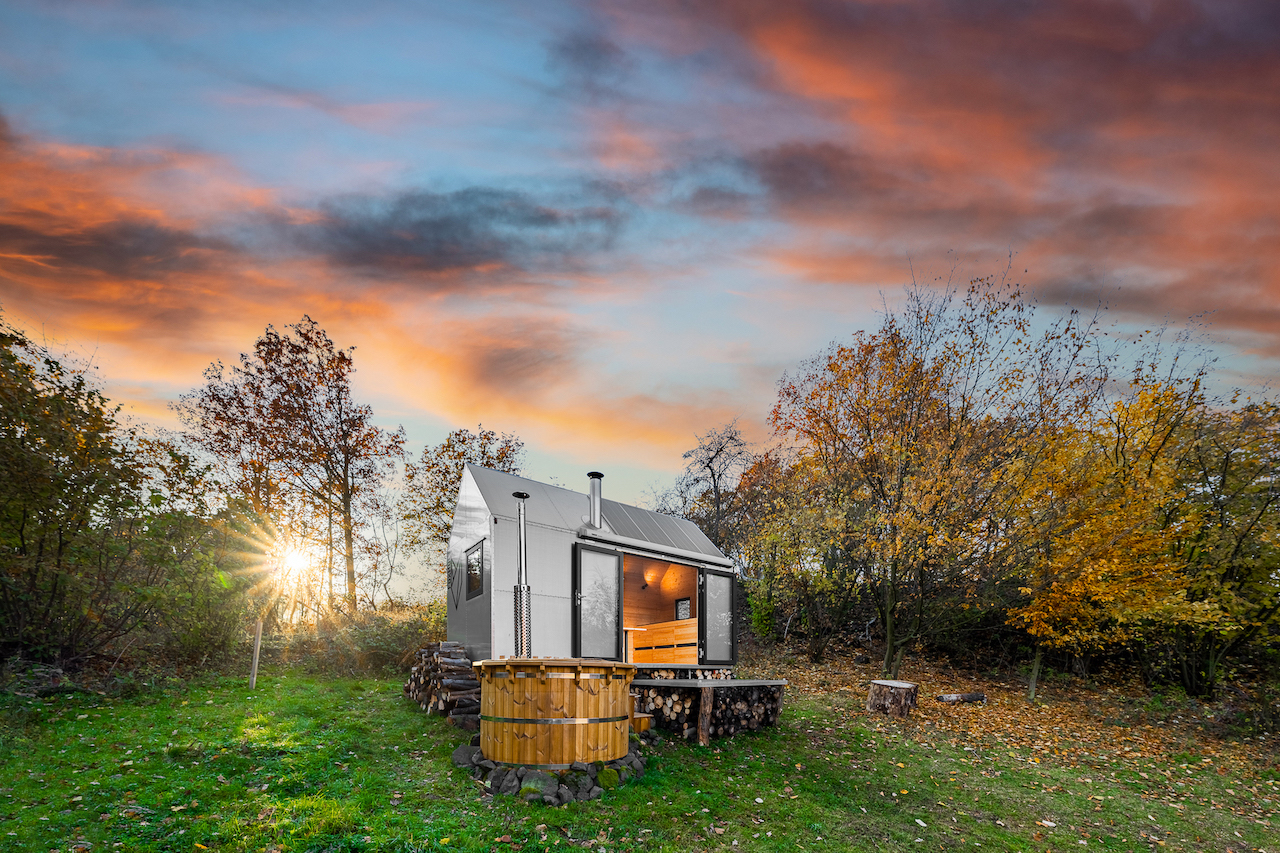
[607,227]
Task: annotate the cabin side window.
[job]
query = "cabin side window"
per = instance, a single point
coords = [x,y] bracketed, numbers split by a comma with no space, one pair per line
[475,569]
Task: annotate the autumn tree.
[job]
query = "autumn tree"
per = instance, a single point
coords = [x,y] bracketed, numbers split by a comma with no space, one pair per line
[1227,548]
[1102,516]
[102,531]
[431,484]
[713,468]
[285,423]
[705,491]
[922,433]
[804,564]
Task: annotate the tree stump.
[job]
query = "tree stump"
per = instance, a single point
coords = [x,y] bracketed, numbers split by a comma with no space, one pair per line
[895,698]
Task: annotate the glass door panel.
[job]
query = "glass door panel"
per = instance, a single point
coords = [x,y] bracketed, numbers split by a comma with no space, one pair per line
[598,604]
[717,618]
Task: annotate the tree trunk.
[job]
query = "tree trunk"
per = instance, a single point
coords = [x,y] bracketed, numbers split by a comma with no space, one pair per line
[890,625]
[348,541]
[332,606]
[1035,674]
[897,661]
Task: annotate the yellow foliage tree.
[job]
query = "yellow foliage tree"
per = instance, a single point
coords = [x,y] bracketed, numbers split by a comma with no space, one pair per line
[1101,509]
[923,435]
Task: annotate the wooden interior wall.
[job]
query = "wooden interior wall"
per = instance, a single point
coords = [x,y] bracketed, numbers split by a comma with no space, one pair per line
[656,602]
[678,642]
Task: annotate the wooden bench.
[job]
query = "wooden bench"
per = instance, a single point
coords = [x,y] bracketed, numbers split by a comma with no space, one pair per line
[667,642]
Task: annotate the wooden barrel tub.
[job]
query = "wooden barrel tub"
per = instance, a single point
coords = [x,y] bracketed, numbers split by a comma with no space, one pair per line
[551,712]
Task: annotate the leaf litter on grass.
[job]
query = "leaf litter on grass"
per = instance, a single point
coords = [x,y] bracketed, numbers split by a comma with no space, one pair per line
[1075,726]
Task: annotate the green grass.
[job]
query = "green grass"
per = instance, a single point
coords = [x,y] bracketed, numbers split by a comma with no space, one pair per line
[314,764]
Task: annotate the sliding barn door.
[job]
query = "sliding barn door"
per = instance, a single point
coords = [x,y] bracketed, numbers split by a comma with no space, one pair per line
[597,603]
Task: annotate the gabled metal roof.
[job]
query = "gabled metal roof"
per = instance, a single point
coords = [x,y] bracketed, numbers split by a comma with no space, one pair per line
[554,506]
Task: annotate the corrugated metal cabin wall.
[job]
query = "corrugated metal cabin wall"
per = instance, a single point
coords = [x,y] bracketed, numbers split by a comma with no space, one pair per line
[469,621]
[550,552]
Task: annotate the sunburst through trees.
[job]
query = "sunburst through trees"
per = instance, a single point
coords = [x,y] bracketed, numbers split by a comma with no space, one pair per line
[306,462]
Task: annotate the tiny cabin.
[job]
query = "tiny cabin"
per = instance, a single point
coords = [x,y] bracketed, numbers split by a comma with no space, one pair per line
[607,580]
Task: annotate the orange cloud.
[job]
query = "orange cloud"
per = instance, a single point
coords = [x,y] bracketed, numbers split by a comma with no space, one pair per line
[98,249]
[1105,144]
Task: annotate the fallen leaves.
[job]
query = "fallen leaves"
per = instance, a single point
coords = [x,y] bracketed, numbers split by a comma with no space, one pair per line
[1078,723]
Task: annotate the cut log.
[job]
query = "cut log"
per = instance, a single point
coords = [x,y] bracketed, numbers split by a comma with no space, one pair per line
[954,698]
[895,698]
[459,684]
[704,717]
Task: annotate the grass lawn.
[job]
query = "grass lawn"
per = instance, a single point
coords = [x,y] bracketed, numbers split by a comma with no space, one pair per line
[318,764]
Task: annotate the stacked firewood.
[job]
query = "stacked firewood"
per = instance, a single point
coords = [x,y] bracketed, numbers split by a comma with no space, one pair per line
[647,671]
[733,709]
[443,682]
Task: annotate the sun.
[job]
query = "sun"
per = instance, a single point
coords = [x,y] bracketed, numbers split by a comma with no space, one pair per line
[292,561]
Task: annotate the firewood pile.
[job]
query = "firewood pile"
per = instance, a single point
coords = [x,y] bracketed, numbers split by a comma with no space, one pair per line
[643,671]
[443,682]
[733,709]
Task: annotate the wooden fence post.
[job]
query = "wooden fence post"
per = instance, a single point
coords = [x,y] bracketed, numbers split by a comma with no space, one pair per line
[257,645]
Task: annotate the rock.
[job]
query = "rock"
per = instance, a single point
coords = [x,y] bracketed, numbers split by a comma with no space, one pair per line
[595,793]
[550,800]
[495,779]
[594,768]
[607,778]
[465,755]
[578,766]
[579,780]
[544,782]
[510,784]
[624,774]
[486,764]
[564,795]
[475,740]
[531,794]
[520,771]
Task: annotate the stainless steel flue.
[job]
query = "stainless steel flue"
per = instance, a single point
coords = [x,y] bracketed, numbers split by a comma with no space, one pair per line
[524,615]
[594,492]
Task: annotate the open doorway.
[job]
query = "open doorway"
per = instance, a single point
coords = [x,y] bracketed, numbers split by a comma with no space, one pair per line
[660,610]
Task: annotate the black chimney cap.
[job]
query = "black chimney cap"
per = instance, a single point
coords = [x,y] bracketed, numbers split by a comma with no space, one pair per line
[520,495]
[595,475]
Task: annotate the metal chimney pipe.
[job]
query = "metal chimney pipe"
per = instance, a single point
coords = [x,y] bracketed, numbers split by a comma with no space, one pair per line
[524,627]
[594,492]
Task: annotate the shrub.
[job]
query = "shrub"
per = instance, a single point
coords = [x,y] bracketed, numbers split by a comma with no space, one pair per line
[372,641]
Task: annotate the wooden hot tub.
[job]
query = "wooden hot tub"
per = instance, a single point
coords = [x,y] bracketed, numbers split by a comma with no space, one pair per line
[551,712]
